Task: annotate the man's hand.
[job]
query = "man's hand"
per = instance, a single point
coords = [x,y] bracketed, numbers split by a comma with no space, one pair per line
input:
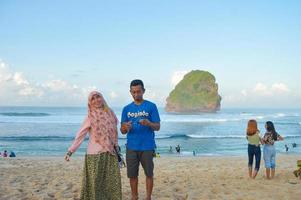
[126,127]
[144,122]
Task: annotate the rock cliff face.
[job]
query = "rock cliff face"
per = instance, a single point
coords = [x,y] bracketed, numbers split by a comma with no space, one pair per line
[197,92]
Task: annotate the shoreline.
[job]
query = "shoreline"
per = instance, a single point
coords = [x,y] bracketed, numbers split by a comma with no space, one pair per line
[162,155]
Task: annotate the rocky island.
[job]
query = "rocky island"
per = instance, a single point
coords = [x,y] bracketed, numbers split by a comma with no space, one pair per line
[197,92]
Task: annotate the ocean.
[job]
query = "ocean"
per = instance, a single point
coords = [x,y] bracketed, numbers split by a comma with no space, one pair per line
[49,131]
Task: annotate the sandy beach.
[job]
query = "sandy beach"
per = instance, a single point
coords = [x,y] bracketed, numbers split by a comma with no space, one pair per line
[175,178]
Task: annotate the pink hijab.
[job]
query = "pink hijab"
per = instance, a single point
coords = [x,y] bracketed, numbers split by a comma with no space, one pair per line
[103,124]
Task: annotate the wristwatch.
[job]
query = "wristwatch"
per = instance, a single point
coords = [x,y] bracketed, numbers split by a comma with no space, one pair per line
[69,153]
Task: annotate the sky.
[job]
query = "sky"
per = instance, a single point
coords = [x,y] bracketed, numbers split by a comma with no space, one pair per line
[53,53]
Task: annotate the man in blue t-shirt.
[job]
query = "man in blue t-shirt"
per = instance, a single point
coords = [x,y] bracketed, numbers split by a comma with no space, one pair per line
[139,120]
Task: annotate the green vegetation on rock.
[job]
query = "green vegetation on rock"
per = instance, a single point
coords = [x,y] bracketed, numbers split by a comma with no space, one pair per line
[196,92]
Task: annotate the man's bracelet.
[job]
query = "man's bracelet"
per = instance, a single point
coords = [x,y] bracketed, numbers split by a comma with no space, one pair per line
[69,153]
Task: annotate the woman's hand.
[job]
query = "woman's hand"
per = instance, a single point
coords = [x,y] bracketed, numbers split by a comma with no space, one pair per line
[261,140]
[68,155]
[67,158]
[280,138]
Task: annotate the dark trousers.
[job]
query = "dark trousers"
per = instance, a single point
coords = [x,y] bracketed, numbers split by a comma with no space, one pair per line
[254,150]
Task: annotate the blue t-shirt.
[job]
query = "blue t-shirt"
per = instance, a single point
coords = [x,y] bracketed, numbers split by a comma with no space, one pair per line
[140,138]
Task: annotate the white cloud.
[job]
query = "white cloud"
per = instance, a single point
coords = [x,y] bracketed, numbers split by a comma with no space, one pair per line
[244,93]
[261,89]
[30,91]
[157,96]
[16,89]
[57,85]
[19,79]
[5,74]
[177,76]
[261,95]
[87,90]
[113,95]
[14,84]
[280,87]
[264,90]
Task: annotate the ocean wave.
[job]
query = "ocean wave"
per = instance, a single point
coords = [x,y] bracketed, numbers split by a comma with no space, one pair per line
[191,136]
[70,138]
[158,137]
[288,123]
[292,136]
[200,120]
[246,114]
[280,115]
[162,137]
[35,138]
[213,120]
[217,136]
[28,114]
[259,117]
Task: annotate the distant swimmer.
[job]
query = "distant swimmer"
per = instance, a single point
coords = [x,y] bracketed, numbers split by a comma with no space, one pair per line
[286,148]
[178,148]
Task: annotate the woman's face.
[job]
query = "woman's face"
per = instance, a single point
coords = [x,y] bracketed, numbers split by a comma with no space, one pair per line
[266,126]
[97,101]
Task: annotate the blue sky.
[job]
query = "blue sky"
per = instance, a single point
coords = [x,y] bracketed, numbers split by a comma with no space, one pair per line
[54,52]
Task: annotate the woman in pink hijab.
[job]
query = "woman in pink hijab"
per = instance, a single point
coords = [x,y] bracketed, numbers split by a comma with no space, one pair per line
[101,176]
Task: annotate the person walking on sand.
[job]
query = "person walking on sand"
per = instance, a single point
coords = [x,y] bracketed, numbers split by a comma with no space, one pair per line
[269,152]
[101,175]
[139,120]
[254,150]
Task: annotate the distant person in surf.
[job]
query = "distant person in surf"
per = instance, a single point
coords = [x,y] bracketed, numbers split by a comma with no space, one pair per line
[178,148]
[12,154]
[286,148]
[170,149]
[5,153]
